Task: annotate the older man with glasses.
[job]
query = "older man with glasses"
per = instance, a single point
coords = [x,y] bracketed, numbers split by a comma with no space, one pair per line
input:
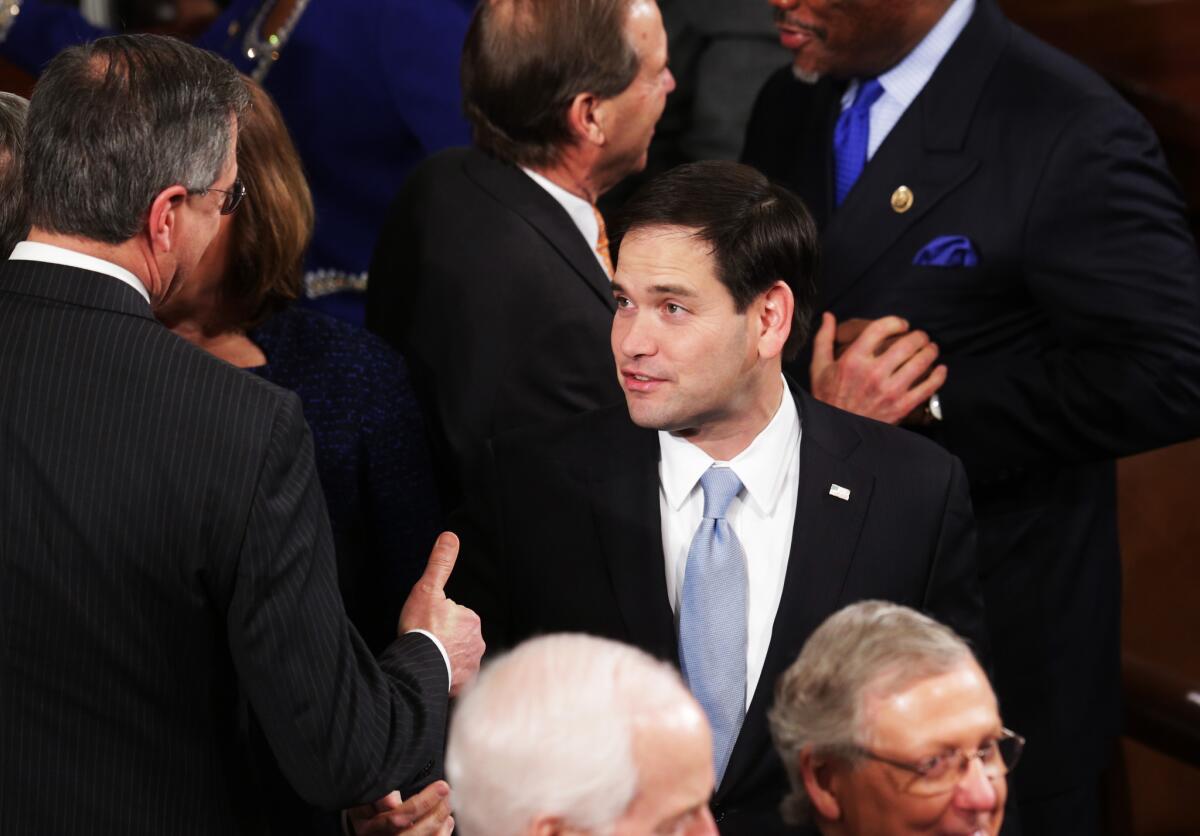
[887,725]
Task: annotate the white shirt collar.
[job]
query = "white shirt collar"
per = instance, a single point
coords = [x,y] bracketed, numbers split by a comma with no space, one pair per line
[51,254]
[906,80]
[583,214]
[762,467]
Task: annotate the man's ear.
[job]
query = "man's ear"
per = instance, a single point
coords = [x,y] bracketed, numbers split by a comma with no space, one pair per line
[817,773]
[584,116]
[162,224]
[774,311]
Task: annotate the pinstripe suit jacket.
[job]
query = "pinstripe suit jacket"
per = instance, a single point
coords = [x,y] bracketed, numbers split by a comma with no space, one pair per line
[165,561]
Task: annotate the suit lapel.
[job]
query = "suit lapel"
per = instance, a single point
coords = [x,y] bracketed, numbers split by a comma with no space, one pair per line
[824,536]
[924,152]
[512,187]
[624,497]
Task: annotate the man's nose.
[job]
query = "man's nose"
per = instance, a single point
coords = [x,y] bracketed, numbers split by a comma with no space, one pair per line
[634,337]
[977,792]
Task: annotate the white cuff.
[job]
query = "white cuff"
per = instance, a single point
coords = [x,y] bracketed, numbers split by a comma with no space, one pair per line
[441,650]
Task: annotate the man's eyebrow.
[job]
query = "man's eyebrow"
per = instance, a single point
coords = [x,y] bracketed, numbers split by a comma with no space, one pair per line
[660,290]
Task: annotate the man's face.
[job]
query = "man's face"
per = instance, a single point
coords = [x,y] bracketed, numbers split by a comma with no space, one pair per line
[630,116]
[852,38]
[940,714]
[673,754]
[686,359]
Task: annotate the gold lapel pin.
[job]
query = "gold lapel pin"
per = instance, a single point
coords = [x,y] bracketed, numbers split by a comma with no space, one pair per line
[902,200]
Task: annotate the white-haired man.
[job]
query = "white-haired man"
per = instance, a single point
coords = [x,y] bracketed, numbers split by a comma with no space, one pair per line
[887,726]
[571,734]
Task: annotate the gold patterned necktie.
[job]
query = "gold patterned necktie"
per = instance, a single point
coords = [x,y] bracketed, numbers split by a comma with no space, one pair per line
[602,243]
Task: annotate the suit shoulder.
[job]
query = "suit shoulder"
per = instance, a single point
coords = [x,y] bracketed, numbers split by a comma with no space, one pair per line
[1044,80]
[885,443]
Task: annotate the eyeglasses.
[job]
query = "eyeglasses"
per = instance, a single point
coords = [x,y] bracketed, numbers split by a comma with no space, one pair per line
[941,773]
[233,196]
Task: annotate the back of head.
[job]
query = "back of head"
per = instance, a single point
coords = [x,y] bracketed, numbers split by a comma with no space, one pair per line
[523,63]
[868,648]
[14,216]
[547,730]
[114,122]
[757,232]
[272,229]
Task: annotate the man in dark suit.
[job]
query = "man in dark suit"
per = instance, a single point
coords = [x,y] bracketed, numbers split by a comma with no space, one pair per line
[613,522]
[1014,209]
[165,556]
[491,275]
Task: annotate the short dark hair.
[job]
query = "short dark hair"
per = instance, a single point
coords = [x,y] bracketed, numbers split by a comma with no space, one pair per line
[114,122]
[14,215]
[757,232]
[525,61]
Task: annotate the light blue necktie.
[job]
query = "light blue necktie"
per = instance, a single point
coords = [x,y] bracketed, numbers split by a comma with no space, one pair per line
[712,616]
[850,139]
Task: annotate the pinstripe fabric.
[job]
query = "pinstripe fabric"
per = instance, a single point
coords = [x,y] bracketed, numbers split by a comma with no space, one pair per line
[165,555]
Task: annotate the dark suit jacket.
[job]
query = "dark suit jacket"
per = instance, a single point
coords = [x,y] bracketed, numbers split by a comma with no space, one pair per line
[498,304]
[567,535]
[1076,338]
[165,562]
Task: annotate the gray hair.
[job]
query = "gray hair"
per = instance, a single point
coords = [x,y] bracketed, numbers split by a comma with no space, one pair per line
[867,648]
[14,217]
[114,122]
[547,730]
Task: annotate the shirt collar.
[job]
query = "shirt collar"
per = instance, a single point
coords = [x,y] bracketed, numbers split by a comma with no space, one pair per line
[582,213]
[51,254]
[906,80]
[762,467]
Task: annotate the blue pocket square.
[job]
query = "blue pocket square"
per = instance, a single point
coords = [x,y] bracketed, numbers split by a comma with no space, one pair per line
[947,251]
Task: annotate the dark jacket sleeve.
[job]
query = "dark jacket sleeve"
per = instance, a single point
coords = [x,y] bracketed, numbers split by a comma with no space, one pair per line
[1112,267]
[344,728]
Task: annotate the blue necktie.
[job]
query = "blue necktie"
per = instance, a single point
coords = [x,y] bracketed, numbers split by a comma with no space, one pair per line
[850,139]
[712,616]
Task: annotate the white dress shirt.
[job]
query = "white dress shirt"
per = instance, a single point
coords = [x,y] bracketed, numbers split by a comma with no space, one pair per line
[50,254]
[762,516]
[583,214]
[903,82]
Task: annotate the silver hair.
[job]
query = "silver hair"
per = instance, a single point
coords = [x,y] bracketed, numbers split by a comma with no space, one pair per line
[871,647]
[14,215]
[114,122]
[547,730]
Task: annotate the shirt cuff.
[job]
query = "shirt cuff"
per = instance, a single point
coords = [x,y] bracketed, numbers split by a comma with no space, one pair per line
[441,650]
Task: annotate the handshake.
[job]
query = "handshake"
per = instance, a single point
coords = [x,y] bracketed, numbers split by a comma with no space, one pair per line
[458,629]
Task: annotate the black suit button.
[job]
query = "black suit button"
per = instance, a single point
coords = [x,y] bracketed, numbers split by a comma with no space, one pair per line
[425,769]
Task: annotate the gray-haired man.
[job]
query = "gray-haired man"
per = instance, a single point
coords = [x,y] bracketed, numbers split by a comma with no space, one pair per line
[887,725]
[165,556]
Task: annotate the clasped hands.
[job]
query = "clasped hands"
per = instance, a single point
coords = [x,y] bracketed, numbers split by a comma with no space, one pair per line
[877,368]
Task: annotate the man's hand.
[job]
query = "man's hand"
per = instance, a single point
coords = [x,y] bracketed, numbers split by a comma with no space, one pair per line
[884,373]
[425,814]
[456,627]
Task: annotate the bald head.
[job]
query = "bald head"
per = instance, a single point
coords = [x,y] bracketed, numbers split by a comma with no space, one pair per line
[603,737]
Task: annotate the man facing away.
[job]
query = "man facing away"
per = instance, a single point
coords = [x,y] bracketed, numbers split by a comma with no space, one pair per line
[888,727]
[492,273]
[720,515]
[166,564]
[573,735]
[1012,269]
